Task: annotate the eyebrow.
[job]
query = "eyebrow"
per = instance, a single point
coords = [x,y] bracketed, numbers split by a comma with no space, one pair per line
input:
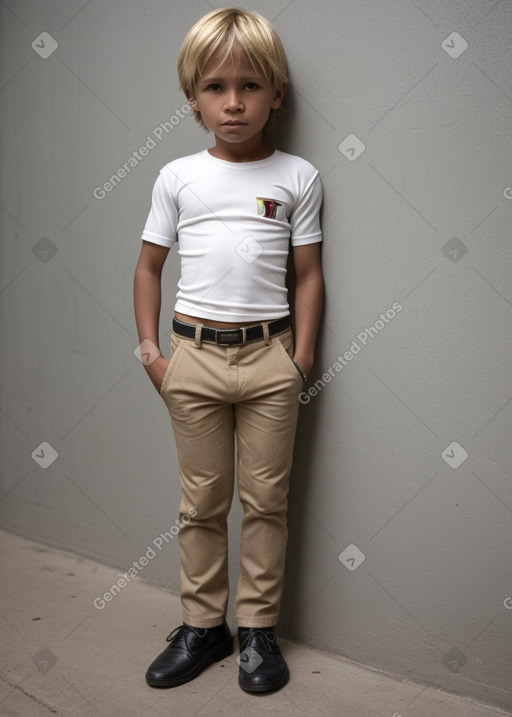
[221,79]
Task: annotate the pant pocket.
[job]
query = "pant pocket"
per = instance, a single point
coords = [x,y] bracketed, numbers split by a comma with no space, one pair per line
[176,347]
[286,347]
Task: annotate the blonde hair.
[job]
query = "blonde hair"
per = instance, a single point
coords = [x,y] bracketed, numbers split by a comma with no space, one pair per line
[223,29]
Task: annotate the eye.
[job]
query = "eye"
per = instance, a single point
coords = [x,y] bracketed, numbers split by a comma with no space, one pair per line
[251,85]
[214,87]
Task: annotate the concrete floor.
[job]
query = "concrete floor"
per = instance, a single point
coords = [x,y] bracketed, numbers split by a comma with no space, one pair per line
[62,656]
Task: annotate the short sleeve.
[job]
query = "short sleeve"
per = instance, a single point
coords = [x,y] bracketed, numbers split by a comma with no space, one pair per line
[305,216]
[162,220]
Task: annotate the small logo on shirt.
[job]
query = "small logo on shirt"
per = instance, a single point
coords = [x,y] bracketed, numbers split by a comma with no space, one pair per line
[268,207]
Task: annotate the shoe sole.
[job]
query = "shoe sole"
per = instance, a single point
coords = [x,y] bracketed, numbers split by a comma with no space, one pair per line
[267,686]
[216,655]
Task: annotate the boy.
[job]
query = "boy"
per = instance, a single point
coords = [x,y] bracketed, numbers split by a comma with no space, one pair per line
[233,369]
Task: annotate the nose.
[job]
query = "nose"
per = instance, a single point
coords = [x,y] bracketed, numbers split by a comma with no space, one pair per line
[233,102]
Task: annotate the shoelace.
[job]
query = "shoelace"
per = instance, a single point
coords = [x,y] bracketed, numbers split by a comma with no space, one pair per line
[254,633]
[178,631]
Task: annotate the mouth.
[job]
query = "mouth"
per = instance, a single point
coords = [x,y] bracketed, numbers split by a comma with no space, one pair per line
[233,123]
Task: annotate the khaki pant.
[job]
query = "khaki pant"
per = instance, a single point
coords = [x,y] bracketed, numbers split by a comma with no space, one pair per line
[214,393]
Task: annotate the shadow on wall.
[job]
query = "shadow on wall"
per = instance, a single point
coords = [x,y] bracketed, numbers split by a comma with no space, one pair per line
[285,137]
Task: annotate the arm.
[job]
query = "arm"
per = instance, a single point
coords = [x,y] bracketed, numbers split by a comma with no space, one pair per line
[308,302]
[147,295]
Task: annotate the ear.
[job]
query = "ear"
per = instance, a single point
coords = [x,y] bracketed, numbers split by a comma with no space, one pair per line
[191,99]
[279,95]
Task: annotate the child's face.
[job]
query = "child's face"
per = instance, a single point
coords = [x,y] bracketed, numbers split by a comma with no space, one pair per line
[234,101]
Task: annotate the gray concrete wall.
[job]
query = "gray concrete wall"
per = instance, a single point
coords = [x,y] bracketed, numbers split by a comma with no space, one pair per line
[400,505]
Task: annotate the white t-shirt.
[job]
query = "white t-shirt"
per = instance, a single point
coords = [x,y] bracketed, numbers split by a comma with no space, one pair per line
[233,222]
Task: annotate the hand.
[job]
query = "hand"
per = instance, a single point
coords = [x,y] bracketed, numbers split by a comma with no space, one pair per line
[304,363]
[156,371]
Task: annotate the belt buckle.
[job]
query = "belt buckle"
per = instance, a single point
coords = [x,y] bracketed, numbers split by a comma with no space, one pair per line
[228,337]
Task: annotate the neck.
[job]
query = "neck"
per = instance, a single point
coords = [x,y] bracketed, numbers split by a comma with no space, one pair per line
[250,151]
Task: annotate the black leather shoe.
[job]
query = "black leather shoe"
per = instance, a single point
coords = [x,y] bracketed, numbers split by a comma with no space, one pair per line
[262,666]
[191,649]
